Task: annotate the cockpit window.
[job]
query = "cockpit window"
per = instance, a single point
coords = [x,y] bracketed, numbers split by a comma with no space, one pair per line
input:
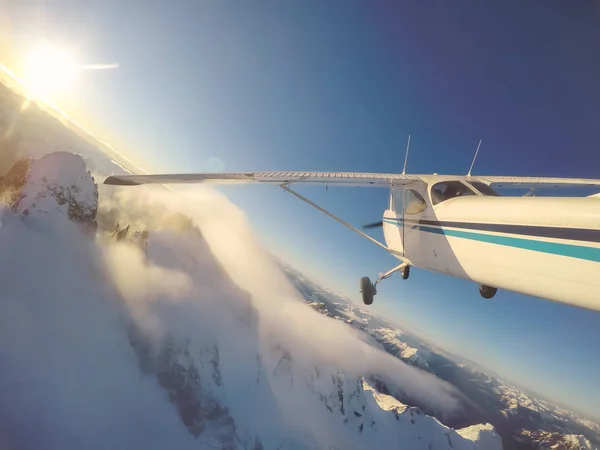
[483,188]
[446,190]
[414,203]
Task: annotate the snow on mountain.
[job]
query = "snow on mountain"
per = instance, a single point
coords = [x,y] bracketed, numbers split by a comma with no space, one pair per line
[491,399]
[412,419]
[484,435]
[59,182]
[545,440]
[516,405]
[390,340]
[187,341]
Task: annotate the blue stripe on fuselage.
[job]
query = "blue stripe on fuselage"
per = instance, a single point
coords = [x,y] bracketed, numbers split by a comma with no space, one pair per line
[554,248]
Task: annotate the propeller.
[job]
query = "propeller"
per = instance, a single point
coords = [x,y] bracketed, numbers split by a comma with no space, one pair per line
[372,225]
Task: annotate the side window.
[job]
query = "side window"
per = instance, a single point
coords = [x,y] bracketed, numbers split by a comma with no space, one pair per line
[446,190]
[414,203]
[397,201]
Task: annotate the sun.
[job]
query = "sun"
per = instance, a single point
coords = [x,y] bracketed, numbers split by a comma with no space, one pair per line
[49,70]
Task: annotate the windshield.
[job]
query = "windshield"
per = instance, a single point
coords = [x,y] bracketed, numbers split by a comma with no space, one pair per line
[446,190]
[483,188]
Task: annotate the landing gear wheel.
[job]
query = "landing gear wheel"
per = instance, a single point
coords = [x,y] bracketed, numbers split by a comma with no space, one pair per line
[405,272]
[487,291]
[368,290]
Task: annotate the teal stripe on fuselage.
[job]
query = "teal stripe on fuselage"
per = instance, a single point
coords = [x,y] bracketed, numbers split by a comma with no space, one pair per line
[554,248]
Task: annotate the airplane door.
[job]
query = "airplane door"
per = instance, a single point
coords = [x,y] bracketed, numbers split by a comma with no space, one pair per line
[415,206]
[393,229]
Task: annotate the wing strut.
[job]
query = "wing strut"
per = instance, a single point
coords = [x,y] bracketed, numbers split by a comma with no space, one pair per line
[346,224]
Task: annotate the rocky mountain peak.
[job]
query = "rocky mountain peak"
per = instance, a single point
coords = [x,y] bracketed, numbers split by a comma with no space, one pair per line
[57,183]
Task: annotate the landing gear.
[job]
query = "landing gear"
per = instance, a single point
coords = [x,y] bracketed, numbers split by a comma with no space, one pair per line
[487,291]
[405,272]
[368,289]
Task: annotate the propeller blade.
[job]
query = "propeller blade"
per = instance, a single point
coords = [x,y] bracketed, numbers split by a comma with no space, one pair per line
[373,225]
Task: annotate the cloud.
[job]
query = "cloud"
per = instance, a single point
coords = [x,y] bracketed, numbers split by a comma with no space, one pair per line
[284,318]
[99,66]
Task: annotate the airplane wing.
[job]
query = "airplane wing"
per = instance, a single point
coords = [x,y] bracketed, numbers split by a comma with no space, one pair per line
[537,182]
[358,179]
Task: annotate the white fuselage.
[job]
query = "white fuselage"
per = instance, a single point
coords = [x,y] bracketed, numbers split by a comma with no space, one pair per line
[547,247]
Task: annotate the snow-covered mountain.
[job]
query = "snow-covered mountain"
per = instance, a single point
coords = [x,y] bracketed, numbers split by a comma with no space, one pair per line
[524,421]
[390,339]
[159,340]
[57,184]
[545,440]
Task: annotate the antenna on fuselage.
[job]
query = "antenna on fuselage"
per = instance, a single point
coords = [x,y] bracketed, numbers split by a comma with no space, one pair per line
[406,156]
[474,158]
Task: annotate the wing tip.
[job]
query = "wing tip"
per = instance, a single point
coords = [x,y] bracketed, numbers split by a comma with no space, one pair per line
[118,181]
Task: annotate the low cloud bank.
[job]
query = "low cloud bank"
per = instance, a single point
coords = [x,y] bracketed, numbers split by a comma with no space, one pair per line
[283,317]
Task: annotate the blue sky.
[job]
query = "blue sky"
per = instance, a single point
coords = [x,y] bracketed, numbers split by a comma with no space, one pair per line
[208,85]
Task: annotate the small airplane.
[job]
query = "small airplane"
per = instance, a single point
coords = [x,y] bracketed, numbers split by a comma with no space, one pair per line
[548,247]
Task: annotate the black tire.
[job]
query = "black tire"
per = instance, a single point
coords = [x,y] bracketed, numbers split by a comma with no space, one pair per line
[405,273]
[367,290]
[487,291]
